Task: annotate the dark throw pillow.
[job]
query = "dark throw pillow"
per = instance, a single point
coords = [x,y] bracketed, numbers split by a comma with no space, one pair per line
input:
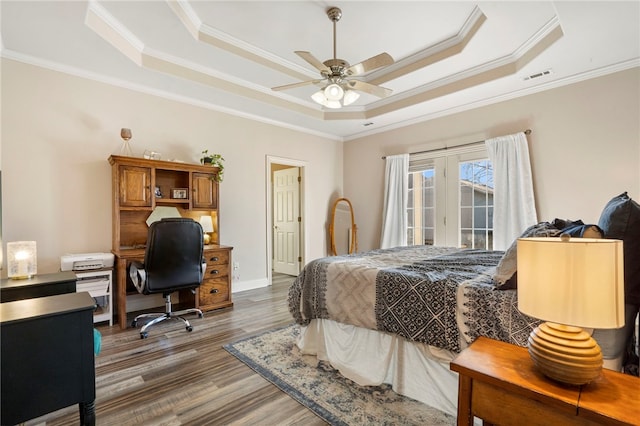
[505,277]
[620,220]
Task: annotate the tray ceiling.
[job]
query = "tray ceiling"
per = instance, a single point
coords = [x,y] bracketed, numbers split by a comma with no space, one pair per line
[226,55]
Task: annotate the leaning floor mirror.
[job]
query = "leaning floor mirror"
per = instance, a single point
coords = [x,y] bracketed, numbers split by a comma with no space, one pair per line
[343,233]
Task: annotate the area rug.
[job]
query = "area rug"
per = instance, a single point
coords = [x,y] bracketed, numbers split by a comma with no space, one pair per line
[323,390]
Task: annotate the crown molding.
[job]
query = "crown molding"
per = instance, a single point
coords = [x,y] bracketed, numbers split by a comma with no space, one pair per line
[432,54]
[207,34]
[577,78]
[124,84]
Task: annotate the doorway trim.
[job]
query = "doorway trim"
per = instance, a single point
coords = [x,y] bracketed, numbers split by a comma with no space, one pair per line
[303,208]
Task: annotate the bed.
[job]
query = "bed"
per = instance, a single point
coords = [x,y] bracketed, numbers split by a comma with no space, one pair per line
[400,315]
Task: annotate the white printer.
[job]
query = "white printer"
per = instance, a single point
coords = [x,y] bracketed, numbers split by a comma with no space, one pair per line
[94,275]
[86,261]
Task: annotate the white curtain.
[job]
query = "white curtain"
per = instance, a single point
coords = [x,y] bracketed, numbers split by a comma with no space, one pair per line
[396,194]
[514,206]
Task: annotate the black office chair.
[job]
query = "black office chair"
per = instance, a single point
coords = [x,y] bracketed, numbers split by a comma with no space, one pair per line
[172,261]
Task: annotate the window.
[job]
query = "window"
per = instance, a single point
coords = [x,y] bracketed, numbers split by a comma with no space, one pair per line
[421,208]
[476,204]
[451,198]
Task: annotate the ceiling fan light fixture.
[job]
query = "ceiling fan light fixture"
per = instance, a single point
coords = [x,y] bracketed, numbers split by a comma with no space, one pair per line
[333,104]
[333,92]
[350,96]
[328,97]
[319,97]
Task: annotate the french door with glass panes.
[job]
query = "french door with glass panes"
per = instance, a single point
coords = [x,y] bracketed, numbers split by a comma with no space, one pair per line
[451,200]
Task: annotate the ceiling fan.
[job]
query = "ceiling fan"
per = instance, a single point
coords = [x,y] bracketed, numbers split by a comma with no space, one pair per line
[338,89]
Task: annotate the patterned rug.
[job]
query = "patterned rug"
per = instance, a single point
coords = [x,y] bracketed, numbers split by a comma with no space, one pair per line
[319,387]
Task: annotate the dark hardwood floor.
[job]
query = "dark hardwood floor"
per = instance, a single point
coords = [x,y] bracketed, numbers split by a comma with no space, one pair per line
[178,378]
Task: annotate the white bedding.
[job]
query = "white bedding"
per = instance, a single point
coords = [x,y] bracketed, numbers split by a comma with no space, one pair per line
[371,358]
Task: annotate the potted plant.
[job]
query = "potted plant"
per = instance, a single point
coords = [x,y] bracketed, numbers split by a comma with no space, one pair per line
[214,160]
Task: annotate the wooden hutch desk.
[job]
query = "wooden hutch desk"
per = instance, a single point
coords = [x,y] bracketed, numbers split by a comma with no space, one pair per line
[499,384]
[139,186]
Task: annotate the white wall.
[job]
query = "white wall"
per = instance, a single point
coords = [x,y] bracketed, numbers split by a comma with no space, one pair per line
[585,148]
[58,131]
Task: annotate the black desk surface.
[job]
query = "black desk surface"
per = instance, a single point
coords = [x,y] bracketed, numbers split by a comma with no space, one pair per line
[38,286]
[38,280]
[47,357]
[29,309]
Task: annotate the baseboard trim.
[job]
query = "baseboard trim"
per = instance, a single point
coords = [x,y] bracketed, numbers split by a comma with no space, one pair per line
[249,285]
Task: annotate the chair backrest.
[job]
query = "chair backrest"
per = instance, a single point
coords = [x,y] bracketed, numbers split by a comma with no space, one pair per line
[173,257]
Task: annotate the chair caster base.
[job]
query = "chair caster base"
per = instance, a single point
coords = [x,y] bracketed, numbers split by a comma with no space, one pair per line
[134,323]
[144,335]
[189,328]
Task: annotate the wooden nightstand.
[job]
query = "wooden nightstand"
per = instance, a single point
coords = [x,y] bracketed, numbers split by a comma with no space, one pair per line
[499,384]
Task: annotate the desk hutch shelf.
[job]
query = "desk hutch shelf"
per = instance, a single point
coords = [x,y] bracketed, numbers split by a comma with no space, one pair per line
[139,186]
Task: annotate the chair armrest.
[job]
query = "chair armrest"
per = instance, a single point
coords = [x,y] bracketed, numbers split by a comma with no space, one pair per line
[138,275]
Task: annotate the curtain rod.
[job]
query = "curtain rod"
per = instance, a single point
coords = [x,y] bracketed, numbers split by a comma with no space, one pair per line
[526,132]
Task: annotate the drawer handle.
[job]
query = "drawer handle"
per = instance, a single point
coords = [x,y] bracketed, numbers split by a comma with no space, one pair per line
[213,291]
[214,272]
[214,259]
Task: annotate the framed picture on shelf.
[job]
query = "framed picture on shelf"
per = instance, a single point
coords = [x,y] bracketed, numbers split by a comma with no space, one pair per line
[180,193]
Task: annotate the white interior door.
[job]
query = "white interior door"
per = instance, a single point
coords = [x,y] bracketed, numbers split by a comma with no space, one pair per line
[286,221]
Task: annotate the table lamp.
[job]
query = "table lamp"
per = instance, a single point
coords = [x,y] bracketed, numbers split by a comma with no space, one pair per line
[207,227]
[570,283]
[21,259]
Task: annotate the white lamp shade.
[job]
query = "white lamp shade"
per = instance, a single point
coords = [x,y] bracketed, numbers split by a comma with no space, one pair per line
[577,281]
[207,223]
[333,92]
[350,96]
[334,96]
[319,97]
[22,259]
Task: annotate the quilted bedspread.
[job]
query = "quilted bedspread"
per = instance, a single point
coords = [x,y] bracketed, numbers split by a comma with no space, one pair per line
[440,296]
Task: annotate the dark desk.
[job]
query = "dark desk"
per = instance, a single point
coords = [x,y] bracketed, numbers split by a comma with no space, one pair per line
[47,359]
[38,286]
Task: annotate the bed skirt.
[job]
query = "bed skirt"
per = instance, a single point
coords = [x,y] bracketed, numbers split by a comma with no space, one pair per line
[371,358]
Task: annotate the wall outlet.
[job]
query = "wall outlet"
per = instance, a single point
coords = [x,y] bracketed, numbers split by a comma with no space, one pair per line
[236,271]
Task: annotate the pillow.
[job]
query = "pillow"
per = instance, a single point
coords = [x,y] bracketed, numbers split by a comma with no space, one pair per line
[584,231]
[620,220]
[505,277]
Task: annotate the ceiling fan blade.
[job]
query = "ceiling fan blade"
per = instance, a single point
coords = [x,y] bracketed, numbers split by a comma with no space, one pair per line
[294,85]
[307,56]
[372,63]
[379,91]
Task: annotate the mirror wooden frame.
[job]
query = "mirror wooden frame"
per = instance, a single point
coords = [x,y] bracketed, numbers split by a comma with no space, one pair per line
[353,247]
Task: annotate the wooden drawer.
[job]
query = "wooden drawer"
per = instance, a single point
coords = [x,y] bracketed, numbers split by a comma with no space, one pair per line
[214,292]
[216,257]
[216,270]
